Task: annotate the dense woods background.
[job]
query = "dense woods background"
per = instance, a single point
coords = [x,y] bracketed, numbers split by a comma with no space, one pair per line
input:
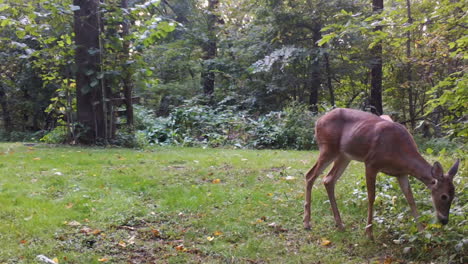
[248,73]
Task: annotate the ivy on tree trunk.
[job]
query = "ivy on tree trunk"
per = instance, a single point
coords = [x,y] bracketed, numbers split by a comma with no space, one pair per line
[90,110]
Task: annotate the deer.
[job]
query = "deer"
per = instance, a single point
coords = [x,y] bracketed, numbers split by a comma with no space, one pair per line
[384,146]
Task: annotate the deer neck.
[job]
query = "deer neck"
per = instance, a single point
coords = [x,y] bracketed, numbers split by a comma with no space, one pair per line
[420,169]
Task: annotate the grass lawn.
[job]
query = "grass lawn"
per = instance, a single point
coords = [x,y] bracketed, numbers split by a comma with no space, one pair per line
[193,205]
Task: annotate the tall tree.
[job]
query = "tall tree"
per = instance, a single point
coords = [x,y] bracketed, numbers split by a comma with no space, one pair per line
[409,70]
[209,47]
[90,103]
[376,67]
[127,73]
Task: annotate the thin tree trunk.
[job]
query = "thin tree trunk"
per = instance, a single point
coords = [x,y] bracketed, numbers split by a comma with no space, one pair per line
[127,73]
[5,110]
[329,79]
[376,67]
[315,81]
[411,98]
[87,57]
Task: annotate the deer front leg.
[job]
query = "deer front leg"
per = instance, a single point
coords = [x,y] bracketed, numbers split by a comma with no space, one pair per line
[406,189]
[371,174]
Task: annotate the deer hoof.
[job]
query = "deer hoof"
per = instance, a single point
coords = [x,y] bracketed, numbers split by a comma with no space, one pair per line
[340,227]
[307,226]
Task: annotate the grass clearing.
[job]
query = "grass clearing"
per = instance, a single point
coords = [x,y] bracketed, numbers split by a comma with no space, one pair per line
[179,205]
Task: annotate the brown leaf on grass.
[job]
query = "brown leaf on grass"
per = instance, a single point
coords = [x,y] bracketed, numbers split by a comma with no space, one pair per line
[103,259]
[23,241]
[217,233]
[69,205]
[156,233]
[86,230]
[37,158]
[89,231]
[388,260]
[180,248]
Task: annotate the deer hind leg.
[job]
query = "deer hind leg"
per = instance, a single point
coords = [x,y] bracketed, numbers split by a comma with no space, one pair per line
[406,188]
[371,174]
[329,181]
[325,158]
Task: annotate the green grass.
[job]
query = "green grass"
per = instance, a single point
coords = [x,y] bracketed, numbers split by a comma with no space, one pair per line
[82,205]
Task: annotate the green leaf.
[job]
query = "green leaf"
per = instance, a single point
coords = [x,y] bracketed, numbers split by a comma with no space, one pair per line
[325,39]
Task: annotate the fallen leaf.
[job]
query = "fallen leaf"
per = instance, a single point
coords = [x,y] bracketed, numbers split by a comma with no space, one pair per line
[37,159]
[131,240]
[69,205]
[388,260]
[216,181]
[325,242]
[217,233]
[269,194]
[96,232]
[103,259]
[86,230]
[73,223]
[122,244]
[180,248]
[156,232]
[55,260]
[209,238]
[289,178]
[23,241]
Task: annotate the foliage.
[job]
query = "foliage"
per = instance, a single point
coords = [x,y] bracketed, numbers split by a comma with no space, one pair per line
[193,125]
[58,135]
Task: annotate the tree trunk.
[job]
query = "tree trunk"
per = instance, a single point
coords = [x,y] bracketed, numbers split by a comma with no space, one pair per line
[315,81]
[89,92]
[127,72]
[411,97]
[376,67]
[209,51]
[5,110]
[329,79]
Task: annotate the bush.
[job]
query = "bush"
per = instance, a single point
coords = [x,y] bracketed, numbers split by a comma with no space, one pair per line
[193,125]
[435,146]
[58,135]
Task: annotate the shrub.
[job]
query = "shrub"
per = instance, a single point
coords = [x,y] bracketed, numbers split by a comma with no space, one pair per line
[193,125]
[58,135]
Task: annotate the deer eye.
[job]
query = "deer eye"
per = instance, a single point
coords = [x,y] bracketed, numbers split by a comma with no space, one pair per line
[434,182]
[444,197]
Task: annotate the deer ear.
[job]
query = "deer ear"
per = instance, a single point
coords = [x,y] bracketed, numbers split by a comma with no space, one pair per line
[451,173]
[437,171]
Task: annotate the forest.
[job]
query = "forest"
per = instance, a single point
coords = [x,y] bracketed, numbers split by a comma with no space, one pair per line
[242,73]
[180,131]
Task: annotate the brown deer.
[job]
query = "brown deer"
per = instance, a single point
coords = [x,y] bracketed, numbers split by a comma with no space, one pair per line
[384,146]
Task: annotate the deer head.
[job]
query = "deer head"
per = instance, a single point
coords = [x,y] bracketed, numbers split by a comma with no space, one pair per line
[443,190]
